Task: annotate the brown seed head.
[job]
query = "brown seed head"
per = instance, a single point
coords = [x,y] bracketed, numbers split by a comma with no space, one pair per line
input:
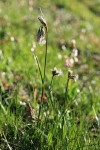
[72,76]
[56,72]
[41,36]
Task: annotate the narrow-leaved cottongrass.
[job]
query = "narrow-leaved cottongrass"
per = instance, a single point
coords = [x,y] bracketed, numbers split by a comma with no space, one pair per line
[42,38]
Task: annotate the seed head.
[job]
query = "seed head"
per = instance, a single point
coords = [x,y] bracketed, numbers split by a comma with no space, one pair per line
[72,76]
[70,73]
[41,36]
[42,21]
[56,72]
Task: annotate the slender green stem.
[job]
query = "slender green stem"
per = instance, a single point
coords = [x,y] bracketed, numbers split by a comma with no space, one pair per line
[46,54]
[66,96]
[36,58]
[37,61]
[50,91]
[43,81]
[51,82]
[66,89]
[64,110]
[45,62]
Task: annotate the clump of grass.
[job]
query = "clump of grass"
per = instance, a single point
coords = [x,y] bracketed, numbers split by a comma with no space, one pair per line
[65,120]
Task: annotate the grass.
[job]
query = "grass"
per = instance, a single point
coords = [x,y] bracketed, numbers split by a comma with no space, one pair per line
[70,112]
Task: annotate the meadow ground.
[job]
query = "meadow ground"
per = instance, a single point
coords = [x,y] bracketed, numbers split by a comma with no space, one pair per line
[39,108]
